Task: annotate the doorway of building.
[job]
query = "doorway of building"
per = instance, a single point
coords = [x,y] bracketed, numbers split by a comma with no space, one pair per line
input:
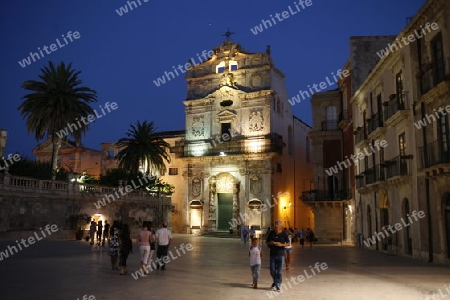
[225,210]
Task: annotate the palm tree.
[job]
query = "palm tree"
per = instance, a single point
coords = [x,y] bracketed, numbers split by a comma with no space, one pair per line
[142,147]
[56,100]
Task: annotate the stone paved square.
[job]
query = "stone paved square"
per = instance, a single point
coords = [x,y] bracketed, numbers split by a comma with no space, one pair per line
[216,268]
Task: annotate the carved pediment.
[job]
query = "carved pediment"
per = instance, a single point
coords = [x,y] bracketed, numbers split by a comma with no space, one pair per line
[226,115]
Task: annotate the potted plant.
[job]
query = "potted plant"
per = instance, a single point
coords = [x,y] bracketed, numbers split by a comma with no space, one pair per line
[77,223]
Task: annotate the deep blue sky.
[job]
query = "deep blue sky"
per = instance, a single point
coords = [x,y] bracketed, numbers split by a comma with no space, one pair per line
[120,56]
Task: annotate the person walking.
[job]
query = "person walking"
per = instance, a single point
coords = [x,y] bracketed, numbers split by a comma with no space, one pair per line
[252,233]
[92,230]
[245,233]
[126,247]
[152,246]
[310,236]
[99,232]
[106,229]
[277,239]
[255,254]
[302,237]
[163,238]
[144,239]
[114,245]
[288,249]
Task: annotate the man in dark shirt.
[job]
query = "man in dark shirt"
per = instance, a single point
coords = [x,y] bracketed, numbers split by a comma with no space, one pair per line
[277,239]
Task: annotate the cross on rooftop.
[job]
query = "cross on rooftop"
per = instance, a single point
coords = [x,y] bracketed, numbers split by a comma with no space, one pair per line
[228,34]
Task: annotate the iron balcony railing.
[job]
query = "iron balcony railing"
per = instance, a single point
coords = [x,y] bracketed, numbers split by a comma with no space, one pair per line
[361,135]
[397,103]
[374,174]
[437,153]
[326,195]
[330,125]
[432,74]
[233,146]
[375,122]
[360,180]
[398,166]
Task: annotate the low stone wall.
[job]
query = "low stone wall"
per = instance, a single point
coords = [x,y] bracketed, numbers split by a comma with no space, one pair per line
[26,205]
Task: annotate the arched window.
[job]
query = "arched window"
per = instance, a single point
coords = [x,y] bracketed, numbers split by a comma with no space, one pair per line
[220,68]
[233,65]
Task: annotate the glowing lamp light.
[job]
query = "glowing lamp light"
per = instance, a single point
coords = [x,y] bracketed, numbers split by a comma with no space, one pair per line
[198,149]
[255,146]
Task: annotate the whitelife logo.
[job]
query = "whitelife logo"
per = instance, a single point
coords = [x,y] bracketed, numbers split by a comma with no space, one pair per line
[166,259]
[123,191]
[183,68]
[31,240]
[11,158]
[423,122]
[319,87]
[284,15]
[355,158]
[410,39]
[124,9]
[397,226]
[90,118]
[35,56]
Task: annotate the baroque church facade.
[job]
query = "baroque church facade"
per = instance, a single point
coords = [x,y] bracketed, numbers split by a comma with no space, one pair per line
[241,146]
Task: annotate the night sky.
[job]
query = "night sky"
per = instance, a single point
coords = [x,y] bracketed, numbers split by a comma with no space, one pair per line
[120,56]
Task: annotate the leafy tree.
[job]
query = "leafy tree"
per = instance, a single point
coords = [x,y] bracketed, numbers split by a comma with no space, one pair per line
[112,177]
[143,147]
[55,101]
[38,170]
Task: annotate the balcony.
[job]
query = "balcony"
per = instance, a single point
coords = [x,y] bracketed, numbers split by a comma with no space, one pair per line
[370,175]
[437,154]
[374,174]
[434,80]
[398,166]
[360,136]
[375,122]
[396,109]
[326,195]
[375,128]
[236,146]
[360,180]
[330,125]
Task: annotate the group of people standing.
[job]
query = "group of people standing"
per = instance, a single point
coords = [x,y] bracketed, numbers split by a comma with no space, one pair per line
[121,245]
[279,241]
[101,230]
[148,239]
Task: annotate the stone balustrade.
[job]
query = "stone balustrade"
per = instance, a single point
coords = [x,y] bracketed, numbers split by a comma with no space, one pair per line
[17,184]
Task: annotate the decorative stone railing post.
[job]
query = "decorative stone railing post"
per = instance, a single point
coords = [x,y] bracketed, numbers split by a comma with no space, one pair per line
[6,178]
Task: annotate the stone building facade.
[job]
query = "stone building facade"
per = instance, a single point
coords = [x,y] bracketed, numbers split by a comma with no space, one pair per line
[72,157]
[242,145]
[408,85]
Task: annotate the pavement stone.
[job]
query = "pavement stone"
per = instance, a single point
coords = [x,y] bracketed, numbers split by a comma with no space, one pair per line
[215,268]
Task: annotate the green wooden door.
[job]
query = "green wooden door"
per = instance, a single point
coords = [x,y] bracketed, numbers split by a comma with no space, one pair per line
[225,205]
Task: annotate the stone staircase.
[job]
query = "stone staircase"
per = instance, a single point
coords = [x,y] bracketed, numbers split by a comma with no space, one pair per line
[220,234]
